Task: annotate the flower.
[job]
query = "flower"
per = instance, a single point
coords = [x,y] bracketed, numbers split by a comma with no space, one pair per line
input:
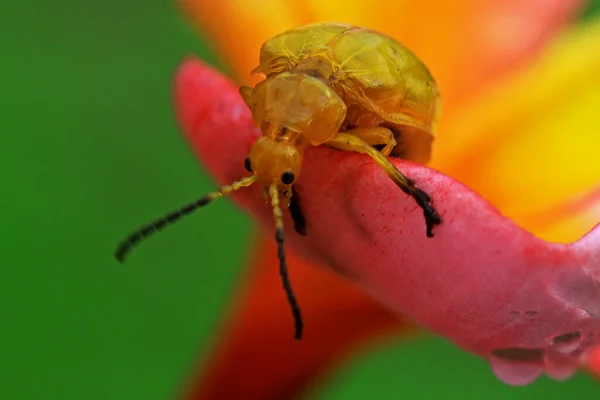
[486,122]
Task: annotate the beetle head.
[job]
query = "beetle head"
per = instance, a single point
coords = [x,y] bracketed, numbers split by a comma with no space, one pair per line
[274,161]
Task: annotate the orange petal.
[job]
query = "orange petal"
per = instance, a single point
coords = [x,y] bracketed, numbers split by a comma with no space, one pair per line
[533,142]
[256,356]
[465,43]
[568,221]
[239,27]
[593,362]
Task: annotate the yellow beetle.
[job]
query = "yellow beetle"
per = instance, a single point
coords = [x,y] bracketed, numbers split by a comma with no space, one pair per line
[347,88]
[378,83]
[336,85]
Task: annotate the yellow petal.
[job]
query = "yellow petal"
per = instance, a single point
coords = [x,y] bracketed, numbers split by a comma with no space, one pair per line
[534,141]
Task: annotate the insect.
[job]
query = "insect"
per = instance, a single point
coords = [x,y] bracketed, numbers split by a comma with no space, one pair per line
[334,85]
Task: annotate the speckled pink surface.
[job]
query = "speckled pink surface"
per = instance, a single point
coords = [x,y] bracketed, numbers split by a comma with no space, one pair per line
[493,289]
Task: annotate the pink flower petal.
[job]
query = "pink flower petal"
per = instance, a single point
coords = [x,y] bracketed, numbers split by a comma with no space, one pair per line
[490,287]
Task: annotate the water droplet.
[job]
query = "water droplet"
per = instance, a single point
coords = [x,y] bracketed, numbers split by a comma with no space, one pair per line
[517,367]
[567,342]
[560,367]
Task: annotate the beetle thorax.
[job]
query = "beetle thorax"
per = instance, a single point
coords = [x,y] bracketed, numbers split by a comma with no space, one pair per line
[300,103]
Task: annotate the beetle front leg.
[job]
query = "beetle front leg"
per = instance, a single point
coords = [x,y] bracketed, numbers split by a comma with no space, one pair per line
[374,136]
[345,141]
[296,212]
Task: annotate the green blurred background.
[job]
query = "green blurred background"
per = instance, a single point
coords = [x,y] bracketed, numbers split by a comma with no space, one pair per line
[90,149]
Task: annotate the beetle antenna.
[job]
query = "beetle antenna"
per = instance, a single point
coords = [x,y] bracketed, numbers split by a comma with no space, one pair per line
[278,216]
[148,230]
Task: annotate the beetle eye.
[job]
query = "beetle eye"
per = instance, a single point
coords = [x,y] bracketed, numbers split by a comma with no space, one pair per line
[287,178]
[248,164]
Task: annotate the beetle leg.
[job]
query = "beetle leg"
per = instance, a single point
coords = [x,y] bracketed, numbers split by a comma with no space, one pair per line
[377,135]
[345,141]
[296,213]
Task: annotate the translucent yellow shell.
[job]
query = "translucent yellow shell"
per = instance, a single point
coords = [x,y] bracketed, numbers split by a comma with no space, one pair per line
[381,81]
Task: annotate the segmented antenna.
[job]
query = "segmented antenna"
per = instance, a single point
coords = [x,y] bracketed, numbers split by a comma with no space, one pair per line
[287,286]
[125,247]
[146,231]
